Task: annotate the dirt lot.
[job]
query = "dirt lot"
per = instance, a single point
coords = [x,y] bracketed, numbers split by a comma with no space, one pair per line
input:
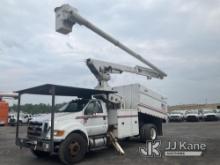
[201,132]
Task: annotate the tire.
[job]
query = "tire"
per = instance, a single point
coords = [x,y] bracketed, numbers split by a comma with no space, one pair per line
[148,132]
[73,149]
[39,154]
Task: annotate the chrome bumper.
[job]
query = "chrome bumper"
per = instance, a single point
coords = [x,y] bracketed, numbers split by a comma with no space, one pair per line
[41,145]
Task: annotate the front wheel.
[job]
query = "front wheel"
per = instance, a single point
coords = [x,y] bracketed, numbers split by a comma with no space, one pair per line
[148,132]
[73,149]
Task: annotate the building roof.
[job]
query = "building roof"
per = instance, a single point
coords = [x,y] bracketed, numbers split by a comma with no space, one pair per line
[47,89]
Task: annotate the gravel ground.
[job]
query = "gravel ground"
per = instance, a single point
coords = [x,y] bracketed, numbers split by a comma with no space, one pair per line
[198,132]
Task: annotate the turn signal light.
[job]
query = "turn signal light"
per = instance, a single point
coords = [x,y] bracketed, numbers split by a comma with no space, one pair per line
[58,132]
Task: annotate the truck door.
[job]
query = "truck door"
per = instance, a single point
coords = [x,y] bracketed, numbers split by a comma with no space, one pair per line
[95,118]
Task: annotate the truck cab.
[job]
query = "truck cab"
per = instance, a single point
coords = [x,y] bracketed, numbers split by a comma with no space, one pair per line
[23,120]
[210,115]
[88,116]
[192,115]
[83,119]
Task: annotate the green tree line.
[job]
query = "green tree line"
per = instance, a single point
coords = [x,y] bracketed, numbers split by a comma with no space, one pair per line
[36,108]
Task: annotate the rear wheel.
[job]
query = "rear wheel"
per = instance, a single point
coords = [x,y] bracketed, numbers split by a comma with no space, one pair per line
[73,149]
[148,132]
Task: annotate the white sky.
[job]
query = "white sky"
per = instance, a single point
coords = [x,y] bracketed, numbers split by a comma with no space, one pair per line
[180,37]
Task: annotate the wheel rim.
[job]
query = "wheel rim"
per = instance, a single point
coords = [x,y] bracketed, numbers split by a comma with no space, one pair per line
[74,148]
[153,133]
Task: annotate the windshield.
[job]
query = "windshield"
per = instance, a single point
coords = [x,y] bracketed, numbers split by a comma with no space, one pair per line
[11,116]
[74,106]
[192,112]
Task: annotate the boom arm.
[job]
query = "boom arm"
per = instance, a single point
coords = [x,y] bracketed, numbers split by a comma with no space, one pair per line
[102,71]
[67,16]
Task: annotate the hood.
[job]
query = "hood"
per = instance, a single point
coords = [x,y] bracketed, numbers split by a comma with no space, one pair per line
[192,114]
[209,114]
[174,115]
[58,117]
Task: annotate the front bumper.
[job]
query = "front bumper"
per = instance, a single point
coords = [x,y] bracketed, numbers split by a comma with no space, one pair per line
[12,122]
[211,118]
[35,144]
[175,118]
[192,118]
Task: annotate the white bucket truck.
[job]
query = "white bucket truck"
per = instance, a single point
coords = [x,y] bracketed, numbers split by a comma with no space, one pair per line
[98,117]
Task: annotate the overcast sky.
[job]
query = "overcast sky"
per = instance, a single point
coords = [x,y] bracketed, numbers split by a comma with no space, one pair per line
[180,37]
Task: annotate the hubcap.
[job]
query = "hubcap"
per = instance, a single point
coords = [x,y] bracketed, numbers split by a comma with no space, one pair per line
[74,148]
[153,133]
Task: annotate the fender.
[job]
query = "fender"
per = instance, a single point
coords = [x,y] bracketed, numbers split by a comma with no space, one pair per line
[69,128]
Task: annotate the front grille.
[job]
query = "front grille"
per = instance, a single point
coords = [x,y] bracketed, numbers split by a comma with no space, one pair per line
[34,129]
[211,117]
[191,118]
[174,117]
[12,121]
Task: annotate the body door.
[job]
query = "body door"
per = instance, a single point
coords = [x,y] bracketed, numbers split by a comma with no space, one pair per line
[95,118]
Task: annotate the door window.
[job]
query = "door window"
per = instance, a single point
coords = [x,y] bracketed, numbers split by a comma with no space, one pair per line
[93,108]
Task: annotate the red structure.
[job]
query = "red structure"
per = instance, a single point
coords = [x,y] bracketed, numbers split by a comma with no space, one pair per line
[4,109]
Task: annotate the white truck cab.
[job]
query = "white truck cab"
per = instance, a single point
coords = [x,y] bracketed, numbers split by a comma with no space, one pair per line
[175,116]
[192,115]
[209,115]
[84,115]
[24,118]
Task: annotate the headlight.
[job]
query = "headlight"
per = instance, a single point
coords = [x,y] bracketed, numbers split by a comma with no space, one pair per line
[59,132]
